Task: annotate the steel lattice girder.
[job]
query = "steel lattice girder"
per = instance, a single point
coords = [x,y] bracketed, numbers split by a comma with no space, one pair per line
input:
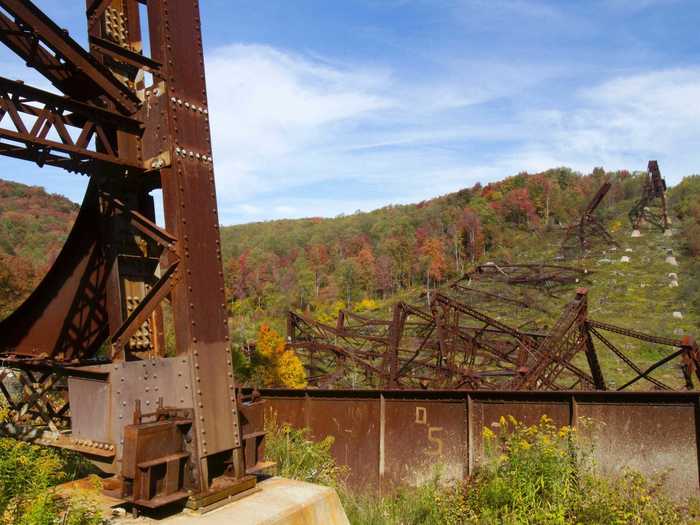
[48,140]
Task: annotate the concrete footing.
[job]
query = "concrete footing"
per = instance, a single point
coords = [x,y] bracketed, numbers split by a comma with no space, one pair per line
[278,502]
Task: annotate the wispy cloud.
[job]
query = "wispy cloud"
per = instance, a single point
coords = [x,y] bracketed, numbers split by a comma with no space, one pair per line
[300,136]
[299,124]
[269,105]
[623,121]
[406,99]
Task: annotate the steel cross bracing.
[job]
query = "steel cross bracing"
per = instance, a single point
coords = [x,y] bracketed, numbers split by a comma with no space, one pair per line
[651,207]
[456,346]
[83,359]
[583,235]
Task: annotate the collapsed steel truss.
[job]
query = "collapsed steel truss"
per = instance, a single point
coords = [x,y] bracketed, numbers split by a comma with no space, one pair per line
[651,207]
[580,237]
[83,359]
[549,278]
[454,345]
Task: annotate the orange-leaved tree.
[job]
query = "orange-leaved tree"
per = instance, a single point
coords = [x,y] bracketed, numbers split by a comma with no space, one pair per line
[278,365]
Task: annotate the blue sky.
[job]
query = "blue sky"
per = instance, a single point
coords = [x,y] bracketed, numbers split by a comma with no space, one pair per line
[321,108]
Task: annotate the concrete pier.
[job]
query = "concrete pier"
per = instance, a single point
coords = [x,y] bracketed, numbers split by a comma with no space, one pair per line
[278,502]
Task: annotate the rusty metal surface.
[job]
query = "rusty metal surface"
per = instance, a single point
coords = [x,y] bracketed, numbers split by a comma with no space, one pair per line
[415,431]
[582,236]
[438,438]
[651,208]
[94,421]
[454,344]
[132,123]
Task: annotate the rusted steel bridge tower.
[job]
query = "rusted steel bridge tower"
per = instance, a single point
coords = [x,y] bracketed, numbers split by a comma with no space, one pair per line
[89,341]
[581,236]
[651,206]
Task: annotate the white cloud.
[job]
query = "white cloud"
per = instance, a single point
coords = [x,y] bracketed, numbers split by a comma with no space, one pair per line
[283,122]
[267,105]
[624,121]
[301,136]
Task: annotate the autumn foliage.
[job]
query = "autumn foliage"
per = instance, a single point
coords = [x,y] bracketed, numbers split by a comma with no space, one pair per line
[33,227]
[307,264]
[276,365]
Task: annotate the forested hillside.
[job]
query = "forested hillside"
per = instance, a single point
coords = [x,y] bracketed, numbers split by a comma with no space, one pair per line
[33,227]
[367,260]
[312,263]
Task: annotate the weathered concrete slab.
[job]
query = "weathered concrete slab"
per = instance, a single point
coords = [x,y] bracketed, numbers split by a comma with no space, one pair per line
[278,502]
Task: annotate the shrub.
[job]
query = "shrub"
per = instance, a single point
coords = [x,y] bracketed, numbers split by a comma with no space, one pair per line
[544,474]
[274,364]
[28,474]
[529,473]
[299,457]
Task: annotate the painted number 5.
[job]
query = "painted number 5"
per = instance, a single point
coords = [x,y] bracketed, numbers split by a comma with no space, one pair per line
[437,449]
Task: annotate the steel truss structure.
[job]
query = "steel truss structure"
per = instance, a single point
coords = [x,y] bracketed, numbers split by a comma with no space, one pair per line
[651,207]
[456,346]
[582,236]
[548,278]
[84,358]
[83,361]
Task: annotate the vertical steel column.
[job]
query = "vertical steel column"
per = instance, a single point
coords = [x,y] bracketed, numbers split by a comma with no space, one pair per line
[198,298]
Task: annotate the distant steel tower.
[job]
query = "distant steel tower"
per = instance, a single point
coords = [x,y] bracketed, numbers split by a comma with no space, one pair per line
[651,207]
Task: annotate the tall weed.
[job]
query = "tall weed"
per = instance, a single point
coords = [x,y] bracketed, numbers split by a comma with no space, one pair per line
[299,457]
[28,474]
